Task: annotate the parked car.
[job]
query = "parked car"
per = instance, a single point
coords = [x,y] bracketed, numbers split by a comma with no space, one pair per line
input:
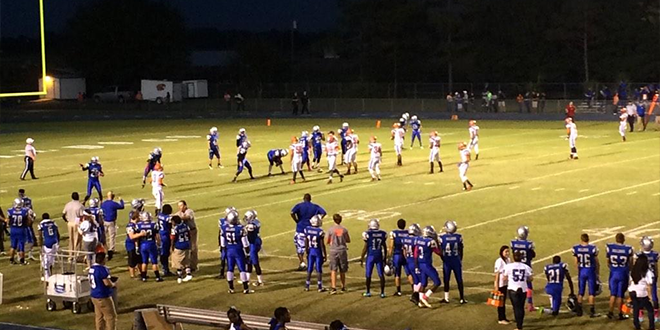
[113,94]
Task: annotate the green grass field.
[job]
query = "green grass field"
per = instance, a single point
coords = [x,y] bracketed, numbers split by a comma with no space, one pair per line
[523,177]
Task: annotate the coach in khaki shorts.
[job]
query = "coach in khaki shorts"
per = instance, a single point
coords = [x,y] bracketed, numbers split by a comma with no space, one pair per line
[72,213]
[337,239]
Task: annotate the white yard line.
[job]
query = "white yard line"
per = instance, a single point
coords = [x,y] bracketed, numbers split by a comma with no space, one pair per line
[631,193]
[536,188]
[514,187]
[656,194]
[560,189]
[583,190]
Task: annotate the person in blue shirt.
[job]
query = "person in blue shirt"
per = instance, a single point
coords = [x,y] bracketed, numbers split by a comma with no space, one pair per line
[253,227]
[652,256]
[49,239]
[102,287]
[131,241]
[30,237]
[425,246]
[222,223]
[555,273]
[408,245]
[342,134]
[586,260]
[152,160]
[396,253]
[180,249]
[280,318]
[304,140]
[275,158]
[214,149]
[164,230]
[19,219]
[94,173]
[148,233]
[451,245]
[301,213]
[317,146]
[376,252]
[527,252]
[315,248]
[241,137]
[97,212]
[416,126]
[110,207]
[241,160]
[619,260]
[235,240]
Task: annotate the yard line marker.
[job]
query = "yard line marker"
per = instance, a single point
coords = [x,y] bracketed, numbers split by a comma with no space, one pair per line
[429,183]
[571,201]
[183,136]
[3,191]
[83,146]
[536,188]
[514,187]
[583,190]
[631,193]
[560,189]
[115,143]
[160,140]
[656,194]
[6,156]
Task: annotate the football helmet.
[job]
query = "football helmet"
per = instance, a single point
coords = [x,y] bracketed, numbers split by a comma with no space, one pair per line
[284,152]
[241,131]
[413,118]
[523,232]
[429,231]
[229,209]
[250,215]
[304,133]
[316,128]
[374,224]
[316,221]
[137,203]
[405,116]
[145,216]
[571,303]
[18,203]
[450,226]
[414,230]
[94,202]
[158,151]
[344,125]
[213,130]
[232,218]
[389,270]
[647,243]
[95,159]
[402,119]
[599,288]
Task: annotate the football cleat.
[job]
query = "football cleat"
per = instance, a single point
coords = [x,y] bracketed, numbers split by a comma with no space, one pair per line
[366,294]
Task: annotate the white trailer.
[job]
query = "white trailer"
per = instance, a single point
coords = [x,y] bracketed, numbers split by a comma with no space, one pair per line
[194,89]
[158,90]
[63,88]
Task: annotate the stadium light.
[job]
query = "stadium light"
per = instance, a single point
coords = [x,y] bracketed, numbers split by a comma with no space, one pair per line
[48,79]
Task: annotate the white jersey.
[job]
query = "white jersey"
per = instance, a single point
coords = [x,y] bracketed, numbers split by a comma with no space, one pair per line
[351,141]
[474,132]
[297,150]
[156,179]
[30,151]
[434,142]
[88,232]
[622,119]
[398,134]
[375,150]
[465,156]
[572,128]
[331,148]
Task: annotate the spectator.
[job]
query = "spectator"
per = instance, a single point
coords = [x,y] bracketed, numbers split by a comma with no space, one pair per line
[101,293]
[500,100]
[338,239]
[615,103]
[641,113]
[528,101]
[294,103]
[500,283]
[235,320]
[535,101]
[227,98]
[542,101]
[72,213]
[301,213]
[280,318]
[3,230]
[623,92]
[589,95]
[337,325]
[493,102]
[466,100]
[110,207]
[631,109]
[570,111]
[517,275]
[459,101]
[304,100]
[641,278]
[90,239]
[239,99]
[519,99]
[188,217]
[450,102]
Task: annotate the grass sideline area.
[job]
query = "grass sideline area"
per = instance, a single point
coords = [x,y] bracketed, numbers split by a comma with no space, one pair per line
[523,177]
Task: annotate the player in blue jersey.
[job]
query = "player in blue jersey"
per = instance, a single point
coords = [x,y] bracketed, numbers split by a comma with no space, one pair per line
[253,228]
[317,144]
[30,237]
[408,246]
[19,219]
[131,237]
[148,232]
[586,260]
[165,230]
[306,144]
[527,253]
[242,161]
[275,158]
[376,252]
[234,239]
[49,239]
[416,126]
[619,260]
[652,257]
[180,249]
[214,149]
[97,212]
[94,174]
[241,137]
[152,160]
[222,223]
[425,246]
[396,252]
[403,121]
[451,245]
[342,135]
[555,273]
[315,249]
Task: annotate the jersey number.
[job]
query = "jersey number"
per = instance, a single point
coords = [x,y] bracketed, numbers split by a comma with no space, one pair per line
[584,260]
[553,276]
[618,261]
[451,250]
[519,275]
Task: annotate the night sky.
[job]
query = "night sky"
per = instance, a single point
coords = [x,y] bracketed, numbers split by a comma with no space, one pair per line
[20,17]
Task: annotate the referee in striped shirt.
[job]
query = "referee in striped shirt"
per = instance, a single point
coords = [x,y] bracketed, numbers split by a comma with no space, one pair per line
[30,157]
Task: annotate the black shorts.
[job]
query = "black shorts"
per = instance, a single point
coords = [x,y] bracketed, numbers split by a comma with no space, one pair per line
[134,259]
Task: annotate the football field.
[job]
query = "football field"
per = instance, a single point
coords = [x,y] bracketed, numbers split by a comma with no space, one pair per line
[523,177]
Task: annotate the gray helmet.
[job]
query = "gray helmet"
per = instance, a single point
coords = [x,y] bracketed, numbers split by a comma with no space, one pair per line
[136,204]
[429,231]
[229,209]
[18,203]
[523,232]
[450,226]
[145,216]
[316,221]
[414,230]
[374,224]
[232,218]
[250,215]
[94,202]
[647,243]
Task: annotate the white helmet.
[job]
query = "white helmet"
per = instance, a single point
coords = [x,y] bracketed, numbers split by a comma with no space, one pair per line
[213,130]
[414,117]
[29,140]
[305,133]
[316,128]
[18,203]
[229,209]
[158,150]
[450,226]
[94,202]
[246,144]
[429,232]
[389,271]
[406,115]
[374,224]
[284,152]
[647,243]
[241,131]
[137,203]
[250,215]
[402,119]
[344,125]
[95,159]
[522,232]
[316,221]
[414,230]
[145,216]
[232,218]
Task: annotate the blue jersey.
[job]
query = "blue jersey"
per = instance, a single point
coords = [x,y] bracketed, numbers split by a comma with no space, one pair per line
[96,275]
[304,140]
[425,247]
[97,213]
[153,158]
[375,240]
[181,234]
[164,225]
[586,256]
[234,238]
[274,154]
[416,125]
[49,232]
[131,228]
[526,250]
[94,170]
[253,228]
[342,133]
[397,243]
[451,245]
[151,229]
[652,257]
[240,138]
[317,139]
[555,273]
[18,218]
[314,236]
[619,257]
[408,246]
[213,141]
[27,202]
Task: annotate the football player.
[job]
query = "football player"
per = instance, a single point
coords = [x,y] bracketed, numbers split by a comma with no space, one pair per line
[464,165]
[398,135]
[586,260]
[19,219]
[350,157]
[30,237]
[623,121]
[131,236]
[317,144]
[652,256]
[235,240]
[241,160]
[94,172]
[376,252]
[403,121]
[97,212]
[181,249]
[571,136]
[527,252]
[555,274]
[240,137]
[296,159]
[49,239]
[473,129]
[152,160]
[375,156]
[148,233]
[451,245]
[165,230]
[342,135]
[619,260]
[157,185]
[408,245]
[425,246]
[304,140]
[331,151]
[434,154]
[316,254]
[416,126]
[253,227]
[395,244]
[222,223]
[275,158]
[214,149]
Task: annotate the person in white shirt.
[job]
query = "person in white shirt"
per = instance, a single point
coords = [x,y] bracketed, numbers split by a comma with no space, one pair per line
[398,135]
[517,274]
[623,120]
[157,176]
[631,110]
[296,159]
[464,165]
[350,157]
[30,157]
[473,129]
[641,278]
[500,283]
[376,153]
[331,151]
[434,154]
[572,134]
[88,229]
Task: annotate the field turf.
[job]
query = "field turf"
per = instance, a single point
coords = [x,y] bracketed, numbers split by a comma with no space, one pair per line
[523,177]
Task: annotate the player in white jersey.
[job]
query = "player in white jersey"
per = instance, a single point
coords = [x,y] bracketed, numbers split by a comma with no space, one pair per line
[331,151]
[398,134]
[572,134]
[350,157]
[623,120]
[434,154]
[464,165]
[376,154]
[296,159]
[157,176]
[474,138]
